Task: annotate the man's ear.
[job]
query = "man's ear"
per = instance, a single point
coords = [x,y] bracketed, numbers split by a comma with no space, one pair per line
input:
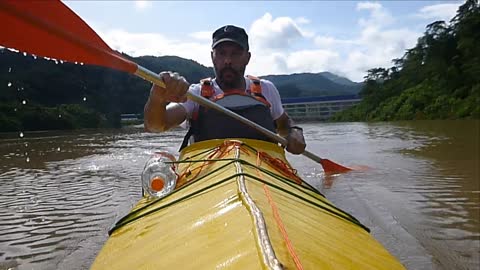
[248,58]
[211,55]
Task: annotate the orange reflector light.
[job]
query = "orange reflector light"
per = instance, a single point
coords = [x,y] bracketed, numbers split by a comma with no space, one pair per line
[157,184]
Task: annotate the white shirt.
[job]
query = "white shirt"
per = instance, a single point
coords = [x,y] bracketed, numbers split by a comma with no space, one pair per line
[269,91]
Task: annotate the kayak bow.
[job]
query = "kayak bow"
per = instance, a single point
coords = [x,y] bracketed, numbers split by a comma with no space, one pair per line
[240,205]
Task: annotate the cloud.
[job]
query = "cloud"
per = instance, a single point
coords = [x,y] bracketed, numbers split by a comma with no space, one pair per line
[376,44]
[312,60]
[377,48]
[139,44]
[378,14]
[282,45]
[294,62]
[203,36]
[268,63]
[278,33]
[369,6]
[142,4]
[325,41]
[302,20]
[372,47]
[442,12]
[329,42]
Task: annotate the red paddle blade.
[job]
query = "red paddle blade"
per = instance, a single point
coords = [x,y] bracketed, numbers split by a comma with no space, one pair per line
[331,167]
[51,29]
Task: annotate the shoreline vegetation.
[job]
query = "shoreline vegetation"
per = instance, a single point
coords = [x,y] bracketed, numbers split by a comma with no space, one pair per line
[62,117]
[437,79]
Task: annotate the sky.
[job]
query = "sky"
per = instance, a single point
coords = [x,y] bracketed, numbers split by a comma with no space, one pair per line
[343,37]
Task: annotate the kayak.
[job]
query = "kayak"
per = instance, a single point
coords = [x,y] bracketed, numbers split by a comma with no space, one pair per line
[238,204]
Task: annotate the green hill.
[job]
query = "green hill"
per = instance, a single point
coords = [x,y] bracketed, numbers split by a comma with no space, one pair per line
[313,84]
[338,79]
[61,95]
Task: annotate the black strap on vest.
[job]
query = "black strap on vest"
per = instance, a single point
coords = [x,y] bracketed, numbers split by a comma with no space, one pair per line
[211,124]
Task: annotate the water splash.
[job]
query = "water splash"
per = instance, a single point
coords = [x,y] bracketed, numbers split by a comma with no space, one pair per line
[13,50]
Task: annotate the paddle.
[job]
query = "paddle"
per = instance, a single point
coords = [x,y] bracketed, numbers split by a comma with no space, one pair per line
[51,29]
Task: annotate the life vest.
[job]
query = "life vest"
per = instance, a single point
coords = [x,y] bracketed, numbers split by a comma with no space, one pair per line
[207,124]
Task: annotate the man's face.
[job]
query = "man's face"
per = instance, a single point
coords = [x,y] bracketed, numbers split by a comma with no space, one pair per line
[229,61]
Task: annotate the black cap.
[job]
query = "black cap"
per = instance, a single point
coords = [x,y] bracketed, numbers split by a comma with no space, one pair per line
[230,33]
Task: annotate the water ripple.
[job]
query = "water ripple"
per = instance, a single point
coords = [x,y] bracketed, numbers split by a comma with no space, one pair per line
[419,199]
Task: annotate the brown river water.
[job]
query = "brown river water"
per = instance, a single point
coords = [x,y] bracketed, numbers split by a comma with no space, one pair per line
[62,191]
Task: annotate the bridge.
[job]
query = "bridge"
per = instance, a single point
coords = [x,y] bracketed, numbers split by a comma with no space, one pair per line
[300,108]
[318,108]
[130,118]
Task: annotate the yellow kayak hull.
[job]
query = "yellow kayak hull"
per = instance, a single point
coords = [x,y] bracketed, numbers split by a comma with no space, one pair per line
[235,209]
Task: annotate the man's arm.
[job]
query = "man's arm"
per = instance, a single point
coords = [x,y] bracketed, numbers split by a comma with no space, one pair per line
[294,136]
[295,140]
[158,116]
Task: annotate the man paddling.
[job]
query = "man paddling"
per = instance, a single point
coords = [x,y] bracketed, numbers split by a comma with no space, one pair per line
[255,99]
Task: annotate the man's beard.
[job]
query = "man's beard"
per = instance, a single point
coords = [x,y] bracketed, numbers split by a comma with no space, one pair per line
[233,81]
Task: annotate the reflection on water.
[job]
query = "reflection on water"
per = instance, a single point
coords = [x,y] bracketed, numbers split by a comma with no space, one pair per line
[56,209]
[421,197]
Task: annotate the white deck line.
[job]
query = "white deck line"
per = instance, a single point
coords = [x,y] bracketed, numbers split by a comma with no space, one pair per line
[263,240]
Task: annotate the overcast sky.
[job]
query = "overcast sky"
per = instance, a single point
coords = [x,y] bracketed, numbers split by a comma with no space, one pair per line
[343,37]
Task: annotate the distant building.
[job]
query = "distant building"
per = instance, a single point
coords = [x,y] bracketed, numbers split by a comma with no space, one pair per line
[318,108]
[127,118]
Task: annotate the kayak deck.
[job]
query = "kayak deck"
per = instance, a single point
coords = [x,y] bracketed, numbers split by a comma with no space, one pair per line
[237,205]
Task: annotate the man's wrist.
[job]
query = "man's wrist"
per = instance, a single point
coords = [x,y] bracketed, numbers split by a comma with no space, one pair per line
[158,99]
[294,128]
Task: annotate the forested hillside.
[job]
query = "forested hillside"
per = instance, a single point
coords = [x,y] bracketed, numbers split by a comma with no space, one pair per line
[313,84]
[39,94]
[437,79]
